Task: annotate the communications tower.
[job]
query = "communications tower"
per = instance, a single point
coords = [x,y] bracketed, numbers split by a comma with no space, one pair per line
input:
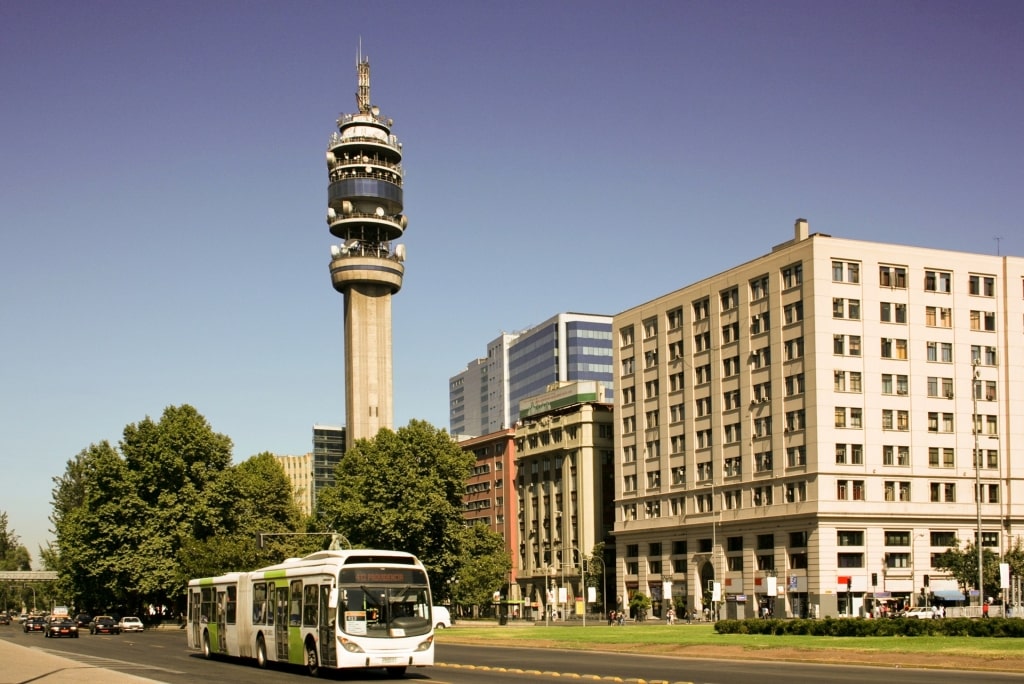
[364,210]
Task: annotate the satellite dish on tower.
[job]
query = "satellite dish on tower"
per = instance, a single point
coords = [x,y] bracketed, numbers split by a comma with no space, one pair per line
[375,110]
[379,211]
[400,252]
[335,251]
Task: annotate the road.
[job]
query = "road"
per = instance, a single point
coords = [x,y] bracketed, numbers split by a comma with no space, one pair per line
[161,655]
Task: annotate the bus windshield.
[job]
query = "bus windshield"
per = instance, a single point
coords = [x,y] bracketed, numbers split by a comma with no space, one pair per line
[384,602]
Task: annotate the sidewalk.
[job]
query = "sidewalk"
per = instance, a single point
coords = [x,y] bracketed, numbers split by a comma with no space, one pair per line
[21,664]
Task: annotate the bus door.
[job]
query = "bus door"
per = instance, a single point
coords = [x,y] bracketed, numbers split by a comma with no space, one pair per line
[222,631]
[281,622]
[194,603]
[328,615]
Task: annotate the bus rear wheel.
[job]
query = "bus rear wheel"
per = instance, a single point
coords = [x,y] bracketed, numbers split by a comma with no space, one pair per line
[261,652]
[312,661]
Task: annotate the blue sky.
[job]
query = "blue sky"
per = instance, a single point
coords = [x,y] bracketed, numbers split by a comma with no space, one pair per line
[163,185]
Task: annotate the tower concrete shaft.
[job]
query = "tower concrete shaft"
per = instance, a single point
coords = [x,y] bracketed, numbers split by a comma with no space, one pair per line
[364,210]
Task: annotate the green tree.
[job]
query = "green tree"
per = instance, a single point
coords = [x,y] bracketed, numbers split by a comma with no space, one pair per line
[244,501]
[402,490]
[13,555]
[122,517]
[962,565]
[484,567]
[639,604]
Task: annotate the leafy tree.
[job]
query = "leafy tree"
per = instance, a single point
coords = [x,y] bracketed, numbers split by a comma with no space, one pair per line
[244,501]
[13,555]
[639,604]
[962,565]
[122,517]
[402,490]
[485,566]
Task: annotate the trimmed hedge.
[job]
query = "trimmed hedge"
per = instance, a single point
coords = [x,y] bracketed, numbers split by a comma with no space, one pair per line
[860,627]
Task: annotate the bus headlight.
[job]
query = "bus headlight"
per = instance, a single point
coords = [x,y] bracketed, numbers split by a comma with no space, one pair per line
[425,644]
[350,646]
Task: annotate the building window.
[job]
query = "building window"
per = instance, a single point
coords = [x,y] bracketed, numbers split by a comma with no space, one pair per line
[793,313]
[703,439]
[730,299]
[677,412]
[651,418]
[796,420]
[982,286]
[628,424]
[629,454]
[846,308]
[628,483]
[897,560]
[626,336]
[653,479]
[678,444]
[892,276]
[796,457]
[850,560]
[794,348]
[938,317]
[941,457]
[986,356]
[732,433]
[938,281]
[987,425]
[794,384]
[893,312]
[628,366]
[760,323]
[759,287]
[761,358]
[676,381]
[850,537]
[763,426]
[847,381]
[762,392]
[702,341]
[897,491]
[730,366]
[940,387]
[763,462]
[675,350]
[628,395]
[851,269]
[792,276]
[733,466]
[731,399]
[674,318]
[989,457]
[679,475]
[650,328]
[702,374]
[701,309]
[650,389]
[846,345]
[983,320]
[895,455]
[796,492]
[894,348]
[940,422]
[895,384]
[942,492]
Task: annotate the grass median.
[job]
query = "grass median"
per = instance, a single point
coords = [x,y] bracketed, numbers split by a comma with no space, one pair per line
[701,641]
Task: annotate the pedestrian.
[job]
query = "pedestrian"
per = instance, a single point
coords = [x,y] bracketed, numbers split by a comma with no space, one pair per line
[984,609]
[670,616]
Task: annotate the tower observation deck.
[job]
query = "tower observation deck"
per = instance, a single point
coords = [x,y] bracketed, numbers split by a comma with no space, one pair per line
[364,210]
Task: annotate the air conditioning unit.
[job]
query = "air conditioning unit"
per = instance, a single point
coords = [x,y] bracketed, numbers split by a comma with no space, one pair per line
[949,395]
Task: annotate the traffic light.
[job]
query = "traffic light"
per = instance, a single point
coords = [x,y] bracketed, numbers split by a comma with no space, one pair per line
[849,584]
[874,579]
[926,580]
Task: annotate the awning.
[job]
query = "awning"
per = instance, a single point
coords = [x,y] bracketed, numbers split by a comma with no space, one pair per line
[950,595]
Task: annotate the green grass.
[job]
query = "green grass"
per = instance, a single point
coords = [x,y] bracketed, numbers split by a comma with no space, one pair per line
[640,637]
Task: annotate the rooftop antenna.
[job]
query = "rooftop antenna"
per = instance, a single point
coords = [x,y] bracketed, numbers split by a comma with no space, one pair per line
[997,239]
[363,70]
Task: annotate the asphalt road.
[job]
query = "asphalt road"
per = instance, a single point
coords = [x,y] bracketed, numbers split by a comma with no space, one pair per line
[162,655]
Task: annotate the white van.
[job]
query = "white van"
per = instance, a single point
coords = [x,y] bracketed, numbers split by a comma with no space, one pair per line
[442,618]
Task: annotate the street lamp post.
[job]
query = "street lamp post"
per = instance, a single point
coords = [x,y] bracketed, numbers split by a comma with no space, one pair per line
[976,424]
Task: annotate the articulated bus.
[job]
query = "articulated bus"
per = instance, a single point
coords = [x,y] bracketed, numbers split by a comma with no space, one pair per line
[357,608]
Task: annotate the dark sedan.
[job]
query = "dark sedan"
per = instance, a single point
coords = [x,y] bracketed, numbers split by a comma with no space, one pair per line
[35,624]
[104,625]
[62,627]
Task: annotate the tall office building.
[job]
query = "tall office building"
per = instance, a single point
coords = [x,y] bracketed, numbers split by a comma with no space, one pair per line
[364,199]
[810,429]
[485,397]
[328,448]
[299,470]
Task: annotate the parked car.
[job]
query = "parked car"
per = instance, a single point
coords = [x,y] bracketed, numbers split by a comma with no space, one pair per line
[61,627]
[919,613]
[442,618]
[103,624]
[34,624]
[130,624]
[5,619]
[83,619]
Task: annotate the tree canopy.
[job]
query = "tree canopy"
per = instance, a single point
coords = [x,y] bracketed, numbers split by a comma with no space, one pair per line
[13,556]
[402,490]
[133,524]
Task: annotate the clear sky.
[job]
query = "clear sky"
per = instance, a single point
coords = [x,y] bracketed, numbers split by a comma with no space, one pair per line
[163,184]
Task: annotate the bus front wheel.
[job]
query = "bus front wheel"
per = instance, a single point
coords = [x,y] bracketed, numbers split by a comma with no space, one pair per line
[206,646]
[261,651]
[312,661]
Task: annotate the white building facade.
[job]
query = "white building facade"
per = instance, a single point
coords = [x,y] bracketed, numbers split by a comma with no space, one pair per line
[797,431]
